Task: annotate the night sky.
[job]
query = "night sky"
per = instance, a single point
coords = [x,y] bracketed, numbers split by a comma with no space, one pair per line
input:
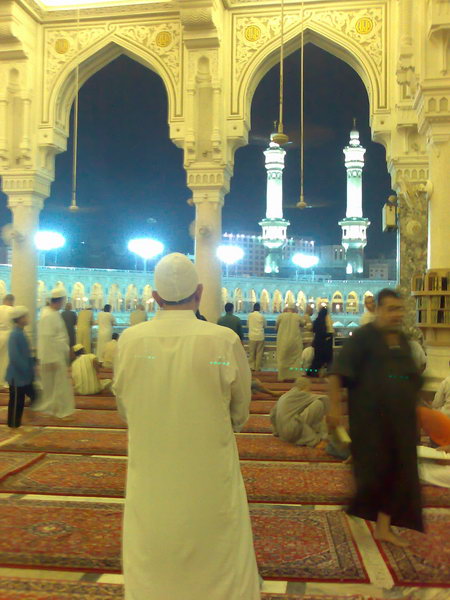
[129,172]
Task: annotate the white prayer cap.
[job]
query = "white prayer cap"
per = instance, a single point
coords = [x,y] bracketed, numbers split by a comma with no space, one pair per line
[18,311]
[77,347]
[176,277]
[57,293]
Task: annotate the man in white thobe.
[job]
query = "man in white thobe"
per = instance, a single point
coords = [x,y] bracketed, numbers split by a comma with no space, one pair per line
[441,399]
[298,416]
[53,354]
[289,343]
[138,316]
[369,314]
[183,386]
[84,328]
[85,367]
[256,324]
[6,326]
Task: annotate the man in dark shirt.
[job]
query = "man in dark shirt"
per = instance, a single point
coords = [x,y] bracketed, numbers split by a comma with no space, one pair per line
[231,321]
[383,383]
[70,319]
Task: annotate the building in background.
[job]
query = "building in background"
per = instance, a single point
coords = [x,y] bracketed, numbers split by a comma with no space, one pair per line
[354,226]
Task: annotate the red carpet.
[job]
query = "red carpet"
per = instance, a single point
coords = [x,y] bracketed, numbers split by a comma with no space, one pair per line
[72,441]
[70,476]
[80,418]
[291,543]
[427,560]
[13,462]
[296,544]
[37,589]
[261,406]
[258,424]
[267,447]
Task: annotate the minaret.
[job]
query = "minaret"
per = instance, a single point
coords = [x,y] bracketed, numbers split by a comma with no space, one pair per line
[354,226]
[274,226]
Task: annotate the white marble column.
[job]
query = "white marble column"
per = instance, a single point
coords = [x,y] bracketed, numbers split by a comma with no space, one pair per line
[25,200]
[208,235]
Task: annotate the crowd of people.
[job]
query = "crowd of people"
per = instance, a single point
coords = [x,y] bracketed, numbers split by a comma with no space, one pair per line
[183,385]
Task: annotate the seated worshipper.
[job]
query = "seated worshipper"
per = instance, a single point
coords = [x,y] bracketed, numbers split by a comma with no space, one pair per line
[434,466]
[231,321]
[435,424]
[110,351]
[86,381]
[258,386]
[306,359]
[20,371]
[298,416]
[442,397]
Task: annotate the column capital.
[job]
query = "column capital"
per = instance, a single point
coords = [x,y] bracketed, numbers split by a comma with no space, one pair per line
[432,103]
[208,183]
[26,189]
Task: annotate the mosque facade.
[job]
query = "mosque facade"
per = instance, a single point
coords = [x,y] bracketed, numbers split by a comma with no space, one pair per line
[211,55]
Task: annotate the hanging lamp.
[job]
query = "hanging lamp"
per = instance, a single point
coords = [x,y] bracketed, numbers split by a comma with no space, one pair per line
[279,137]
[73,203]
[302,204]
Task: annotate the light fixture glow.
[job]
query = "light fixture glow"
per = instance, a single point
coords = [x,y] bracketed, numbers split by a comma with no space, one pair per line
[229,254]
[305,261]
[146,248]
[49,240]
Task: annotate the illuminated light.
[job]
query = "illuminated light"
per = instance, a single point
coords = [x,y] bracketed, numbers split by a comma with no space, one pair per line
[305,261]
[49,240]
[146,248]
[84,299]
[229,254]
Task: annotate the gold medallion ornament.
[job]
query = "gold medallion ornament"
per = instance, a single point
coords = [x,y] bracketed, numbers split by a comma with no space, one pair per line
[163,39]
[61,45]
[364,25]
[252,33]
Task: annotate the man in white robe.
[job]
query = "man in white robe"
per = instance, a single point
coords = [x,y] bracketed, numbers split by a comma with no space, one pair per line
[289,343]
[298,416]
[369,314]
[84,328]
[441,399]
[138,316]
[53,355]
[85,367]
[6,326]
[183,386]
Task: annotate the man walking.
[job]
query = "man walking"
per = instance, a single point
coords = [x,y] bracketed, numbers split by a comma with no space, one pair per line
[53,354]
[383,383]
[256,324]
[5,330]
[231,321]
[183,387]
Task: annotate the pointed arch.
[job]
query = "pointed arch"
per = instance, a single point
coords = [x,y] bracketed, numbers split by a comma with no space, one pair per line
[238,300]
[96,296]
[337,302]
[289,298]
[41,294]
[78,296]
[277,303]
[264,300]
[115,297]
[147,298]
[301,300]
[224,295]
[131,297]
[352,304]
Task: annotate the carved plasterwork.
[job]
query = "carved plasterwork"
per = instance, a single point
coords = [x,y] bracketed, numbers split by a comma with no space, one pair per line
[361,31]
[157,42]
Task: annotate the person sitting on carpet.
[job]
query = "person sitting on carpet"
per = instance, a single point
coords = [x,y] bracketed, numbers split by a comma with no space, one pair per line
[298,416]
[441,400]
[110,351]
[85,377]
[258,386]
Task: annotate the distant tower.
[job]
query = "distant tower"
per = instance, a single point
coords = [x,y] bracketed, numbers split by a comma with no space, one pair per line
[274,226]
[354,226]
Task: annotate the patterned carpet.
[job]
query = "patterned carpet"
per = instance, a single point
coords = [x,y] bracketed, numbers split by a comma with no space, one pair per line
[290,543]
[268,447]
[427,560]
[80,418]
[72,441]
[12,462]
[36,589]
[71,475]
[262,407]
[305,545]
[258,424]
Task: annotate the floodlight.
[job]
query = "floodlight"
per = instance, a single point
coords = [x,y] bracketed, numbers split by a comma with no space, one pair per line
[305,261]
[49,240]
[146,248]
[230,254]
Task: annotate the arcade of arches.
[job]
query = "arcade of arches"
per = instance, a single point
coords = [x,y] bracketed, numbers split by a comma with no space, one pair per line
[211,55]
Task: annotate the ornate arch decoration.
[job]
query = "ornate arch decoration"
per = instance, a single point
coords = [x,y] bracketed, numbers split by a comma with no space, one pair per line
[356,36]
[153,44]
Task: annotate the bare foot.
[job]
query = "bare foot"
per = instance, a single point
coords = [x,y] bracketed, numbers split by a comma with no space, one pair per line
[392,538]
[321,445]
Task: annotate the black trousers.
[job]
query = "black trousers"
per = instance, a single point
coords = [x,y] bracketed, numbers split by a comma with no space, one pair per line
[17,402]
